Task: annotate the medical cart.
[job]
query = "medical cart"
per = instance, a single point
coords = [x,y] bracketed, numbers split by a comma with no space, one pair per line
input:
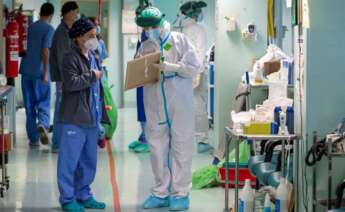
[332,153]
[234,138]
[7,133]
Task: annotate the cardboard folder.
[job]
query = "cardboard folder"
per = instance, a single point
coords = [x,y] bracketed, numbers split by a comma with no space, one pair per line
[141,71]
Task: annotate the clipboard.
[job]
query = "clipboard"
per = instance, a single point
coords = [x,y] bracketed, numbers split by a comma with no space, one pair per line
[141,71]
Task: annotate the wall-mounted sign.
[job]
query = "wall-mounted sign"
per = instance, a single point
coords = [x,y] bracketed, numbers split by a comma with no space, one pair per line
[128,22]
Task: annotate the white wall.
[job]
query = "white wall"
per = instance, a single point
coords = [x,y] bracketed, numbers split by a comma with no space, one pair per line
[233,56]
[323,87]
[115,55]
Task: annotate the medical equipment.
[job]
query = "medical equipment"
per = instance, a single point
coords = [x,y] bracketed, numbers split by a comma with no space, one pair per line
[234,138]
[231,23]
[282,197]
[290,119]
[247,198]
[320,148]
[339,192]
[277,111]
[267,205]
[332,146]
[282,120]
[258,74]
[250,32]
[5,145]
[286,70]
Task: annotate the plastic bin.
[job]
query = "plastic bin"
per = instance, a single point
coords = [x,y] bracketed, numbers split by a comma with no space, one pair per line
[5,143]
[243,174]
[257,128]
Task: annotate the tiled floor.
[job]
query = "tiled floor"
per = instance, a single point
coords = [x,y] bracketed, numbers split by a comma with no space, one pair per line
[33,175]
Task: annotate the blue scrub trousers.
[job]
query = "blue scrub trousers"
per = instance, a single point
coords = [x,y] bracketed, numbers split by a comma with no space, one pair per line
[36,96]
[140,105]
[141,114]
[77,162]
[57,128]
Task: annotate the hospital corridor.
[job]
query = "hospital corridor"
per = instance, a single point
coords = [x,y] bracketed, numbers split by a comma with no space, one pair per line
[34,187]
[172,105]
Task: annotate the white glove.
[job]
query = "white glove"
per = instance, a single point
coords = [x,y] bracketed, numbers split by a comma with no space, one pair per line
[168,67]
[196,81]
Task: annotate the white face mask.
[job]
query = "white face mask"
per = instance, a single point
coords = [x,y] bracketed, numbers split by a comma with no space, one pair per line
[91,44]
[77,17]
[154,34]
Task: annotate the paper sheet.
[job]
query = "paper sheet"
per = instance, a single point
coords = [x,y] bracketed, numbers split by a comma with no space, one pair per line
[141,71]
[306,19]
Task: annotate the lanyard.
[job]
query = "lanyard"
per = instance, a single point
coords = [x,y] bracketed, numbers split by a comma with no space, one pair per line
[162,45]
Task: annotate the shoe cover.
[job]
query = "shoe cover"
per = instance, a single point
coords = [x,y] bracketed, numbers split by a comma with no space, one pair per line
[91,203]
[156,202]
[142,148]
[73,207]
[134,144]
[203,147]
[179,203]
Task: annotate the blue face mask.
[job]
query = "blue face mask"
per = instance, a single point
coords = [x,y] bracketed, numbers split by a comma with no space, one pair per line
[200,17]
[154,34]
[98,30]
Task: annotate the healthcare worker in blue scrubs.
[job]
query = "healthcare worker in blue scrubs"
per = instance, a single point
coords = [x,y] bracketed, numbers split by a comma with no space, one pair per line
[101,56]
[140,145]
[79,116]
[60,46]
[34,69]
[170,126]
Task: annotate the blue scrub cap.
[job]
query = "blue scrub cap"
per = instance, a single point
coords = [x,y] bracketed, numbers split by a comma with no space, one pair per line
[81,27]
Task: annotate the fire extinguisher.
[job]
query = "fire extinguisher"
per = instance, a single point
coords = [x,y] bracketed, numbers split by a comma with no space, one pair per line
[100,6]
[12,48]
[23,24]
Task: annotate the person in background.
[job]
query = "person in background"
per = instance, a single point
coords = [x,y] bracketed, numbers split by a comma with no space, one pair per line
[169,113]
[101,50]
[79,116]
[140,145]
[101,55]
[34,69]
[197,35]
[61,45]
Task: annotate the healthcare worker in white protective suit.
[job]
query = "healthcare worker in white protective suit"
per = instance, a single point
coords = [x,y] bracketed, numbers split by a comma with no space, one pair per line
[169,112]
[197,35]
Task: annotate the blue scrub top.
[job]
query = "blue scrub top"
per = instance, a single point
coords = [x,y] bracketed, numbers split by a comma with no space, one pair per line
[40,36]
[95,100]
[103,54]
[140,91]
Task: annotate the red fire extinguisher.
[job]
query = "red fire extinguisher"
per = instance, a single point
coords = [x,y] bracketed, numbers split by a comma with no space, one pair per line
[23,24]
[12,48]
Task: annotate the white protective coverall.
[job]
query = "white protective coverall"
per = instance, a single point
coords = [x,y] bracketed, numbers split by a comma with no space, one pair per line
[172,97]
[196,34]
